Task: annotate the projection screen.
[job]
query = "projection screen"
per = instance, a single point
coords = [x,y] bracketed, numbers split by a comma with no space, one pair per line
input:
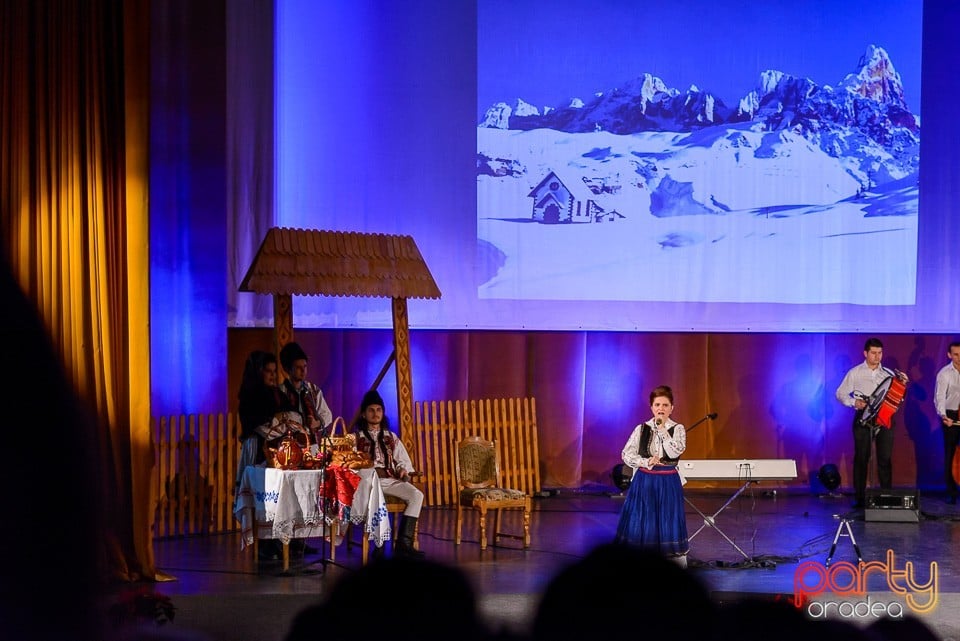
[695,166]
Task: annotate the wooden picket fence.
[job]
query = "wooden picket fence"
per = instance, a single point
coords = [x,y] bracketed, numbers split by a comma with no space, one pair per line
[195,467]
[195,458]
[511,422]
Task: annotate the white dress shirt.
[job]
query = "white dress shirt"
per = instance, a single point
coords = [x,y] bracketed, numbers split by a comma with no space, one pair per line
[863,380]
[947,392]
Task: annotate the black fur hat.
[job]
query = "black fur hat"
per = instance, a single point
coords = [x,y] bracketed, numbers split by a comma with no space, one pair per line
[291,352]
[371,398]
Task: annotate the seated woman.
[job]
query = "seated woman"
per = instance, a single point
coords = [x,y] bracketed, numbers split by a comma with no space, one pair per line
[260,400]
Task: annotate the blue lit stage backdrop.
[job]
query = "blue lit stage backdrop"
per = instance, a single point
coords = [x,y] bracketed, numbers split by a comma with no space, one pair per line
[694,166]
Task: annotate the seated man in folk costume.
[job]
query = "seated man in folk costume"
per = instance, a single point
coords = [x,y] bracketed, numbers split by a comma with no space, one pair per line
[394,467]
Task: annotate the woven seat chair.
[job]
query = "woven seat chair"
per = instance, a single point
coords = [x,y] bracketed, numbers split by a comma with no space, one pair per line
[477,467]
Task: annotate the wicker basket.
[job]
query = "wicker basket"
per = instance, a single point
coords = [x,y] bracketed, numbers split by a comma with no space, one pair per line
[343,448]
[344,442]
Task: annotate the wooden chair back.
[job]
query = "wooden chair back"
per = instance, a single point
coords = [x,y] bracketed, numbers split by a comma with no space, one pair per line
[477,469]
[509,422]
[477,464]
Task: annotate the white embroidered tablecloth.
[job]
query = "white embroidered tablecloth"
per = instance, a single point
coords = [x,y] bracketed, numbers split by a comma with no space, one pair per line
[285,504]
[370,508]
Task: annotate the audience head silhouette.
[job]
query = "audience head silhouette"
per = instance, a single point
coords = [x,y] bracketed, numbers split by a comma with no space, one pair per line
[910,628]
[619,589]
[66,470]
[397,598]
[760,618]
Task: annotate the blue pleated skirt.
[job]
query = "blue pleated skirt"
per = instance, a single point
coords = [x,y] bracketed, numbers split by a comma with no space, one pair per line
[653,515]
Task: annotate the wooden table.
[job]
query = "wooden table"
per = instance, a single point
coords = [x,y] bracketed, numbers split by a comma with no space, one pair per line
[299,504]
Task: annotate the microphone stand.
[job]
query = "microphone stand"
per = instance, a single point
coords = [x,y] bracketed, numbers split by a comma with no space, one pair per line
[324,454]
[711,416]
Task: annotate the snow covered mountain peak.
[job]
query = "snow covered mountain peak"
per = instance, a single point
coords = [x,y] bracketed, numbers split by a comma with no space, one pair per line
[876,79]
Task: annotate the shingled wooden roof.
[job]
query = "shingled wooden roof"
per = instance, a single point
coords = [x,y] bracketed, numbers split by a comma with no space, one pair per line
[330,263]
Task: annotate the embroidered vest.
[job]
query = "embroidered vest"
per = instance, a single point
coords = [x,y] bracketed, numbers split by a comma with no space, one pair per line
[371,446]
[646,436]
[302,399]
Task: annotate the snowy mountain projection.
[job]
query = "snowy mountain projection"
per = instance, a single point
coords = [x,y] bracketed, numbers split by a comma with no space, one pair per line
[648,193]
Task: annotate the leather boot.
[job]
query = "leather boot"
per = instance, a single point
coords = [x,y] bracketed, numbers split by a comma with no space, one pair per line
[404,544]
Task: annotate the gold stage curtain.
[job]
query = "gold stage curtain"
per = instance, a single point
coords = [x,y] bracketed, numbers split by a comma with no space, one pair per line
[74,77]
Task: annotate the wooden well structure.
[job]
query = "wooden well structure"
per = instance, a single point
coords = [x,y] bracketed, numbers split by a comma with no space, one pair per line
[311,262]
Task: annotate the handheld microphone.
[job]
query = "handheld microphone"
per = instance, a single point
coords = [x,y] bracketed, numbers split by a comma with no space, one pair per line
[658,422]
[712,415]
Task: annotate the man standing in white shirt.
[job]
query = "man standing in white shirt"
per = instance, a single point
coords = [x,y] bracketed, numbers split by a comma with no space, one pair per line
[854,391]
[946,398]
[308,400]
[305,396]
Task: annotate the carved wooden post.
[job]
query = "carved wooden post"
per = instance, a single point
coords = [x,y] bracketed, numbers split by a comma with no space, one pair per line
[282,322]
[401,346]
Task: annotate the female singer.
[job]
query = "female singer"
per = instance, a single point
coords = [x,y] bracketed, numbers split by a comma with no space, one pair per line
[652,515]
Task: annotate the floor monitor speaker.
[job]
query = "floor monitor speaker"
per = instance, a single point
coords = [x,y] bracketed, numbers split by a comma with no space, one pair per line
[897,506]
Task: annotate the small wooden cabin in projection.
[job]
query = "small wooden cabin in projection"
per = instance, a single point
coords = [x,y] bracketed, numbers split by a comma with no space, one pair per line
[567,201]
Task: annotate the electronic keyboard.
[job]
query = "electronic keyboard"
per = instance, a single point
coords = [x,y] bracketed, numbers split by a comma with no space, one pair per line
[764,469]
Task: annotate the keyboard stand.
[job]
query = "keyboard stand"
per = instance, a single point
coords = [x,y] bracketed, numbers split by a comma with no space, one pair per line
[710,521]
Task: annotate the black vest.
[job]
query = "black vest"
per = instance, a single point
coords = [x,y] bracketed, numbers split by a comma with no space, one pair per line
[645,437]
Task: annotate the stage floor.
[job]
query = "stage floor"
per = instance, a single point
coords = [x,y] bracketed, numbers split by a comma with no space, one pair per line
[776,531]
